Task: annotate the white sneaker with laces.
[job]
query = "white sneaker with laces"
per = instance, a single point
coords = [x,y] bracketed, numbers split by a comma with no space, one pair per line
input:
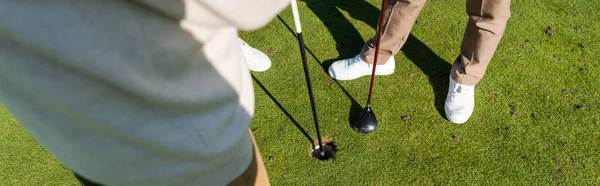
[352,68]
[257,61]
[460,102]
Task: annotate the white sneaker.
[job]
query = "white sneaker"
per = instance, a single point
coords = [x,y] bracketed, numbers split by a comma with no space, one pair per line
[459,102]
[257,61]
[352,68]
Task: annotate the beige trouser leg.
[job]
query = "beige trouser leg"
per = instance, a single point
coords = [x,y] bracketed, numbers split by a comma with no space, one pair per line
[399,19]
[487,20]
[255,174]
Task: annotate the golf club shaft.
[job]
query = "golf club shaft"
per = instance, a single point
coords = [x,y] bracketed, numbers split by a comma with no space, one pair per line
[306,71]
[379,31]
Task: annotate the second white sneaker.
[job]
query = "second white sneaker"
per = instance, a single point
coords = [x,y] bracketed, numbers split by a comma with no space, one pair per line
[257,61]
[460,102]
[352,68]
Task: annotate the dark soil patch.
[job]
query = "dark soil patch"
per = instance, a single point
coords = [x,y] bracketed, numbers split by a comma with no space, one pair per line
[330,150]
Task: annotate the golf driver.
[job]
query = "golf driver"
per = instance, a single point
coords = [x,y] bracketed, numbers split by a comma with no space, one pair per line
[366,121]
[321,151]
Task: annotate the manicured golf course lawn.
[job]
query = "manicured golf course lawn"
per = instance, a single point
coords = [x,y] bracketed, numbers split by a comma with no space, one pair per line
[536,119]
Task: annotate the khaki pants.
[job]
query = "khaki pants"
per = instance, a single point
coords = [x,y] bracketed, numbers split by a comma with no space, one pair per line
[255,174]
[487,20]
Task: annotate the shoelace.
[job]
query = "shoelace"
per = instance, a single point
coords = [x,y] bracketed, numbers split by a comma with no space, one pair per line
[461,91]
[354,60]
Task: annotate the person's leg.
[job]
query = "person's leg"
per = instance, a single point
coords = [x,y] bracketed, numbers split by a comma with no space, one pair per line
[399,18]
[255,174]
[487,21]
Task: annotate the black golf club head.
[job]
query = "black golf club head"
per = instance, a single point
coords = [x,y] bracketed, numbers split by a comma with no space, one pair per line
[365,122]
[327,153]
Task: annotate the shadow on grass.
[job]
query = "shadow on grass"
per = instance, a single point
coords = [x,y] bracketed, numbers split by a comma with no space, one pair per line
[289,116]
[432,65]
[355,108]
[349,42]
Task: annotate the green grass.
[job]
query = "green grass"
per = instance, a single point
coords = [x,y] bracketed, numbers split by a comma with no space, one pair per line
[543,139]
[25,162]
